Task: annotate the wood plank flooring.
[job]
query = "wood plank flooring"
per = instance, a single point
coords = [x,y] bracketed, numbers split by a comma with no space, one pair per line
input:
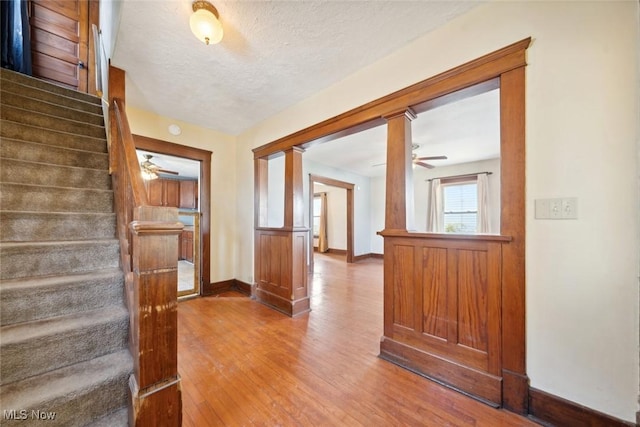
[244,364]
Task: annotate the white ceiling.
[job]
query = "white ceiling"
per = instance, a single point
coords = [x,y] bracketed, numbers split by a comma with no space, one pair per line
[273,54]
[465,131]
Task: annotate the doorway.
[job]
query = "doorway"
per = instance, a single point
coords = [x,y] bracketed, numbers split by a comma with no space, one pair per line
[201,257]
[316,179]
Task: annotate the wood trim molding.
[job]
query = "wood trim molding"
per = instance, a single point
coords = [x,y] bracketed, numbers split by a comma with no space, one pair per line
[349,187]
[204,157]
[369,255]
[549,409]
[218,288]
[474,72]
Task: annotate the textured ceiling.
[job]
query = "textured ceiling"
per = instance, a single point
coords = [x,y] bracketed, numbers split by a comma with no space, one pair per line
[273,55]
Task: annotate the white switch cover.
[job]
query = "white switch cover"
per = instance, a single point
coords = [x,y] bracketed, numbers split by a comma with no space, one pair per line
[565,208]
[555,208]
[570,208]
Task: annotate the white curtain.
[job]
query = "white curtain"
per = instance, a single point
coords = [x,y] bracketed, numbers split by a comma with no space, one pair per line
[323,238]
[483,204]
[435,220]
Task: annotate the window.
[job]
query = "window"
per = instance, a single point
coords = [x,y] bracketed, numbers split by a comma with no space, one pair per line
[460,207]
[317,208]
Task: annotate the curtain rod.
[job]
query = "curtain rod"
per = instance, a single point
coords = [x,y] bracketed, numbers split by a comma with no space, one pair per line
[467,175]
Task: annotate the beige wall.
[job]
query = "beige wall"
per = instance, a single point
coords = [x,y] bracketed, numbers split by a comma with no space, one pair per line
[582,133]
[223,180]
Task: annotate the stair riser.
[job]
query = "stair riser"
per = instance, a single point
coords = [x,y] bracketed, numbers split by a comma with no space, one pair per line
[49,174]
[50,122]
[25,304]
[31,104]
[31,226]
[23,132]
[78,411]
[56,351]
[45,260]
[15,197]
[9,78]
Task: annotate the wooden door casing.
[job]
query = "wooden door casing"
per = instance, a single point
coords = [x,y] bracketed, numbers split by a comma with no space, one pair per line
[442,308]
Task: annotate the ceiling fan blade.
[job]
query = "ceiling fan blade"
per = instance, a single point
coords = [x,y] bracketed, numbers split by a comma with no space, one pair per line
[432,158]
[425,165]
[167,171]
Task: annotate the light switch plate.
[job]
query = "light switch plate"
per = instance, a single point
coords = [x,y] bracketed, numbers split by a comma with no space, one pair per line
[570,208]
[562,208]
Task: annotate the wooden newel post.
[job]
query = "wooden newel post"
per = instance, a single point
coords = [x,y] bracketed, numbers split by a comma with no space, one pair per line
[281,253]
[155,383]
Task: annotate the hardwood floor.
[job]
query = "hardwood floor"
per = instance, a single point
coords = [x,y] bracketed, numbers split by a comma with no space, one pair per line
[245,364]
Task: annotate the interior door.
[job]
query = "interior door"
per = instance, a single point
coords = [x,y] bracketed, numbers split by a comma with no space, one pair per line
[60,41]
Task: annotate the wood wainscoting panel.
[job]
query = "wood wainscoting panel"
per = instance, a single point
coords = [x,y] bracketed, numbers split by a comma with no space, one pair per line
[434,279]
[446,312]
[281,270]
[404,287]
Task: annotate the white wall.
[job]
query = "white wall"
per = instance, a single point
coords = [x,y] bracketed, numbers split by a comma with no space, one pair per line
[223,196]
[581,112]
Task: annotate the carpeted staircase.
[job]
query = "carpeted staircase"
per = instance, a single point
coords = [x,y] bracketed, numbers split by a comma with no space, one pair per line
[63,323]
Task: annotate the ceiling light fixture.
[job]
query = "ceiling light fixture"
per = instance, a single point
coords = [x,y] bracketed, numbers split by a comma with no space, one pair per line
[148,169]
[205,24]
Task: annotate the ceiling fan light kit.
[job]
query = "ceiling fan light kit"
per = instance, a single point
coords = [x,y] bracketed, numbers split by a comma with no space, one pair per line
[205,24]
[149,169]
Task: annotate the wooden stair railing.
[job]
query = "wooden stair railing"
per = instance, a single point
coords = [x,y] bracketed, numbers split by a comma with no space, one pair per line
[149,257]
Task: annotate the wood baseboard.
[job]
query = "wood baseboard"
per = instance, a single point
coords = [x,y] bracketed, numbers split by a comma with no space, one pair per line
[243,287]
[217,288]
[548,409]
[369,255]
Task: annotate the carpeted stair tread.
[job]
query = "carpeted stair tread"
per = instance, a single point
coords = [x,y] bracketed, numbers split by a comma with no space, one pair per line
[9,77]
[51,97]
[36,259]
[28,163]
[56,342]
[10,98]
[24,132]
[24,226]
[25,197]
[29,299]
[118,418]
[79,394]
[34,118]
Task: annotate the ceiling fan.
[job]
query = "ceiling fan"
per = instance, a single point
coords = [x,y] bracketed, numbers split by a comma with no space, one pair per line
[150,170]
[419,161]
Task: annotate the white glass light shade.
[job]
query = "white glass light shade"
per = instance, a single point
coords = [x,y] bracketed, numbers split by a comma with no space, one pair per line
[206,27]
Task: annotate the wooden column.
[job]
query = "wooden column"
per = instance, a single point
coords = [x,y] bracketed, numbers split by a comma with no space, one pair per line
[512,223]
[293,197]
[155,383]
[399,211]
[281,253]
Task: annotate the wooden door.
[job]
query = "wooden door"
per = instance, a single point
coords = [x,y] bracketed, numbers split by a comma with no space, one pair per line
[60,42]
